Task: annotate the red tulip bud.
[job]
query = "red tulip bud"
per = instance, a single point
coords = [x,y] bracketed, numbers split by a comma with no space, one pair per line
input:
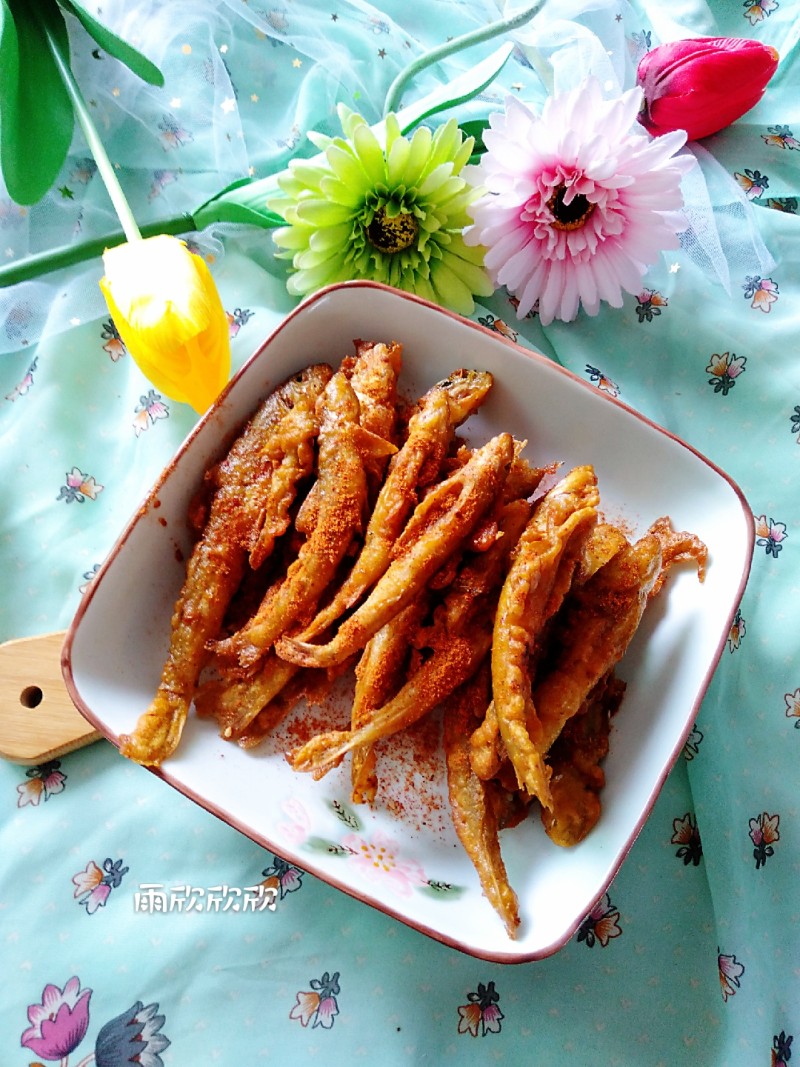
[703,84]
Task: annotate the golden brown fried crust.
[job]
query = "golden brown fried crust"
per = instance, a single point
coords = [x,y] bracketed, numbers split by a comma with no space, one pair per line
[435,679]
[434,531]
[473,803]
[373,373]
[379,675]
[236,703]
[576,758]
[566,510]
[461,585]
[258,478]
[417,463]
[677,547]
[457,640]
[342,498]
[597,628]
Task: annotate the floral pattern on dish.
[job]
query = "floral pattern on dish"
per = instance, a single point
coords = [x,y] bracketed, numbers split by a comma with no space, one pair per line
[378,857]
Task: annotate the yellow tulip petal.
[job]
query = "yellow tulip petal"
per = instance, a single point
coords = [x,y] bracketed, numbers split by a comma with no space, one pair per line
[167,310]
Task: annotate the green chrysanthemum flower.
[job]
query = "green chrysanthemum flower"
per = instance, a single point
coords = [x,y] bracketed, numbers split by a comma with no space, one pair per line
[393,214]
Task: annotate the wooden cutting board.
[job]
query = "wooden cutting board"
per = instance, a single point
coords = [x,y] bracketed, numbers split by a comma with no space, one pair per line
[38,721]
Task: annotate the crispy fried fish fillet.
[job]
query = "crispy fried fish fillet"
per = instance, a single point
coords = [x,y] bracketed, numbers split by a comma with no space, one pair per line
[254,487]
[598,624]
[312,686]
[435,530]
[677,547]
[486,751]
[342,501]
[379,675]
[604,540]
[575,758]
[567,510]
[472,807]
[430,430]
[603,615]
[235,703]
[459,640]
[435,679]
[373,374]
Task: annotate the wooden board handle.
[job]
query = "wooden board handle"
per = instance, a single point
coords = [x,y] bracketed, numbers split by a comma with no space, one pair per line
[38,721]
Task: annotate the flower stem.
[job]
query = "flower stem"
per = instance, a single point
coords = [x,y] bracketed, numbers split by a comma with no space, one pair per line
[39,263]
[449,48]
[104,165]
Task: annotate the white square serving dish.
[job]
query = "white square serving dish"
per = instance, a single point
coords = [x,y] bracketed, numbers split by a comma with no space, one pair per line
[402,856]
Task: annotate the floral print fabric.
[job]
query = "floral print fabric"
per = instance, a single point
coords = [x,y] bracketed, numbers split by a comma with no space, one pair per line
[691,955]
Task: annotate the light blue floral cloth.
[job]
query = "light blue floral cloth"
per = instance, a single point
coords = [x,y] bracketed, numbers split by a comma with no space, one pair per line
[693,955]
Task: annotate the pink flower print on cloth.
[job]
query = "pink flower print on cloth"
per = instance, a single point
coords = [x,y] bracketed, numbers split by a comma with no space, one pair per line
[781,1051]
[601,925]
[793,707]
[482,1015]
[43,782]
[79,487]
[149,410]
[283,877]
[752,182]
[764,834]
[113,346]
[236,319]
[22,387]
[730,973]
[780,137]
[770,535]
[59,1022]
[758,11]
[93,886]
[737,631]
[602,381]
[762,291]
[650,303]
[724,370]
[318,1005]
[693,743]
[687,836]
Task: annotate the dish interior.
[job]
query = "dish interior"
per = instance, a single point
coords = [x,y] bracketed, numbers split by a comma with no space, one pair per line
[403,856]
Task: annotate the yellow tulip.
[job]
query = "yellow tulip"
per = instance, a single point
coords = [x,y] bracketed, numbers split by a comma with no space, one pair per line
[168,312]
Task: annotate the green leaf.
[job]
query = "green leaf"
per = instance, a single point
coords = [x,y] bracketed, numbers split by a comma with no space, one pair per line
[36,117]
[115,46]
[219,210]
[241,201]
[475,128]
[458,91]
[9,53]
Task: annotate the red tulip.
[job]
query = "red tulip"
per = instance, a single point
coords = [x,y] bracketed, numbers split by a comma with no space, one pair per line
[703,84]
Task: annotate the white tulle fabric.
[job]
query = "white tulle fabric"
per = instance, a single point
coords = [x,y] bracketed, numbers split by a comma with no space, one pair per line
[176,146]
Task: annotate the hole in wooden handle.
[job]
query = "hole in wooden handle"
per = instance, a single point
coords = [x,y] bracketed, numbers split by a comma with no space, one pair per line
[31,696]
[38,721]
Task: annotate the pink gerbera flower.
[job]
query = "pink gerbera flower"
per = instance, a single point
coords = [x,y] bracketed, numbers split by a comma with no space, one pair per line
[580,201]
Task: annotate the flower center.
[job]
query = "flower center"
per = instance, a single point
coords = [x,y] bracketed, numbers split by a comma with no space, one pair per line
[569,216]
[392,234]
